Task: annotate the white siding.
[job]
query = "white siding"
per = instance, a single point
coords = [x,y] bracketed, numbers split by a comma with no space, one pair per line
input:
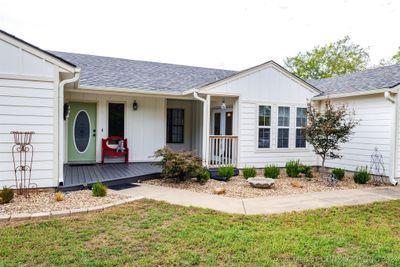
[145,128]
[14,60]
[28,102]
[28,106]
[375,130]
[272,87]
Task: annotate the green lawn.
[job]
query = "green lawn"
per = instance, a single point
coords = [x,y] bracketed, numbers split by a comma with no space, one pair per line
[149,233]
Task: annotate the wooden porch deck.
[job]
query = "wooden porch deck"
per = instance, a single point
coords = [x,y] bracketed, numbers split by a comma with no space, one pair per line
[79,176]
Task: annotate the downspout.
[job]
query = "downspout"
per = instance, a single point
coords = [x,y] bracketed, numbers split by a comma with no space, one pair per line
[393,155]
[204,150]
[61,122]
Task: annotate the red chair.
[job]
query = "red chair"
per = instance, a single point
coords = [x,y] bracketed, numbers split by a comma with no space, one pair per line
[106,150]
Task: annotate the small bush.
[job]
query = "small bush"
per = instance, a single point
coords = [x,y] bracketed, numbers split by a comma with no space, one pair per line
[178,165]
[338,173]
[249,172]
[271,171]
[293,168]
[6,195]
[361,176]
[59,196]
[99,189]
[306,170]
[226,171]
[203,176]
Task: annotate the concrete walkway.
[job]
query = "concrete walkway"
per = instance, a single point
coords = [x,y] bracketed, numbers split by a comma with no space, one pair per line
[265,205]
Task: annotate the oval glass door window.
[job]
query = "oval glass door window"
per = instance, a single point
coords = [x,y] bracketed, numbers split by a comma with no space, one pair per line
[82,131]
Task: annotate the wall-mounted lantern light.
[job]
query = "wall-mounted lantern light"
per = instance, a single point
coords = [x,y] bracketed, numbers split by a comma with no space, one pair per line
[135,105]
[67,110]
[223,105]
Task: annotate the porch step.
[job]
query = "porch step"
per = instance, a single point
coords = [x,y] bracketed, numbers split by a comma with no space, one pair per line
[214,174]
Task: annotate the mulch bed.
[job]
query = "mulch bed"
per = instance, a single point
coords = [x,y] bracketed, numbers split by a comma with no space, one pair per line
[42,201]
[238,187]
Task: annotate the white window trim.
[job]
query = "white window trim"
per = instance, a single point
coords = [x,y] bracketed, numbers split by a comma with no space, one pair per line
[264,127]
[298,127]
[282,127]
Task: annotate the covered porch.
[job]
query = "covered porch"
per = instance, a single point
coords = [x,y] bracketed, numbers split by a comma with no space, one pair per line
[206,124]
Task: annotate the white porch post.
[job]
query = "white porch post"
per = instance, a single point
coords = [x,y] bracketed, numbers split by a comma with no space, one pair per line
[206,130]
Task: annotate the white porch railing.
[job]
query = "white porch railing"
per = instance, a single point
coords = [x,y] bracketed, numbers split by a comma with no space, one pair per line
[222,150]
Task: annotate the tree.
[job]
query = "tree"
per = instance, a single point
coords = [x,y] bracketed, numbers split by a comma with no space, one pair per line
[328,128]
[396,57]
[340,57]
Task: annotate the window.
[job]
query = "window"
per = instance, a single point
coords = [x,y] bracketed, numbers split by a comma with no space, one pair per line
[116,120]
[175,125]
[301,121]
[283,127]
[264,126]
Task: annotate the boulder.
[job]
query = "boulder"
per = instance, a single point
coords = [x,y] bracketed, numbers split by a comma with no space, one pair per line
[261,182]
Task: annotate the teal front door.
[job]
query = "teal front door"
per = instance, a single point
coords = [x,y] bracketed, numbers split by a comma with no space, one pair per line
[82,133]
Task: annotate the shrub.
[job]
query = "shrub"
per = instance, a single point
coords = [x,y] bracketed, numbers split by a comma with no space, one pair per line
[306,170]
[178,165]
[293,168]
[6,195]
[338,173]
[226,171]
[271,171]
[203,176]
[249,172]
[59,196]
[99,189]
[361,176]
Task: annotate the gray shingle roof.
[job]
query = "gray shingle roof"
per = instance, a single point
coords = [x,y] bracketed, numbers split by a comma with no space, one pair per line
[142,75]
[378,78]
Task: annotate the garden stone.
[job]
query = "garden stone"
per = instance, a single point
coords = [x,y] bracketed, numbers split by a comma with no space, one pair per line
[261,182]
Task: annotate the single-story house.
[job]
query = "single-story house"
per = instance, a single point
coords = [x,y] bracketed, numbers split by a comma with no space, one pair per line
[243,118]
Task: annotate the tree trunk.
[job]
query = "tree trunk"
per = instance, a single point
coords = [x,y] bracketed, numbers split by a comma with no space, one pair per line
[323,167]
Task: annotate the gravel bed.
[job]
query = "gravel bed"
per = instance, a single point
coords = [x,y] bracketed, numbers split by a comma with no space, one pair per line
[41,201]
[238,187]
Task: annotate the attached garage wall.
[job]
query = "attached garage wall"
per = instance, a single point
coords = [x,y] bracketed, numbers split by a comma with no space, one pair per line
[28,102]
[375,130]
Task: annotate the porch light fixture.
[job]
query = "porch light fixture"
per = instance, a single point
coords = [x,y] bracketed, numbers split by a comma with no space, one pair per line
[223,105]
[135,105]
[67,110]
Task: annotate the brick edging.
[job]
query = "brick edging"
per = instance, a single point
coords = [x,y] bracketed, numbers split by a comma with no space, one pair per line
[63,213]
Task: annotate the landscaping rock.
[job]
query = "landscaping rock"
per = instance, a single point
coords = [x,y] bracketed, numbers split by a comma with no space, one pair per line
[219,191]
[296,184]
[261,182]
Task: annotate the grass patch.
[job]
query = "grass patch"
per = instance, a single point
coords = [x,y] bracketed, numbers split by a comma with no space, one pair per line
[150,233]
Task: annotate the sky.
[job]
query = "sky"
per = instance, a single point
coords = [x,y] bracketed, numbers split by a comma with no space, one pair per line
[227,34]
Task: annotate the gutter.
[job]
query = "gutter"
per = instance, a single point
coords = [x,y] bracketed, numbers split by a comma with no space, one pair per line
[387,95]
[205,115]
[61,122]
[359,93]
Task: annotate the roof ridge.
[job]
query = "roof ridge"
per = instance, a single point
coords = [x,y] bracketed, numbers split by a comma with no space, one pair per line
[356,72]
[144,61]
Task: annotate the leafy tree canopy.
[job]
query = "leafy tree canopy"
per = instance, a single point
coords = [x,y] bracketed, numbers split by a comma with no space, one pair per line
[340,57]
[396,57]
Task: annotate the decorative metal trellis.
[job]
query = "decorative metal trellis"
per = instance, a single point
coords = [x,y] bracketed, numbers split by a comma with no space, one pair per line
[22,153]
[377,167]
